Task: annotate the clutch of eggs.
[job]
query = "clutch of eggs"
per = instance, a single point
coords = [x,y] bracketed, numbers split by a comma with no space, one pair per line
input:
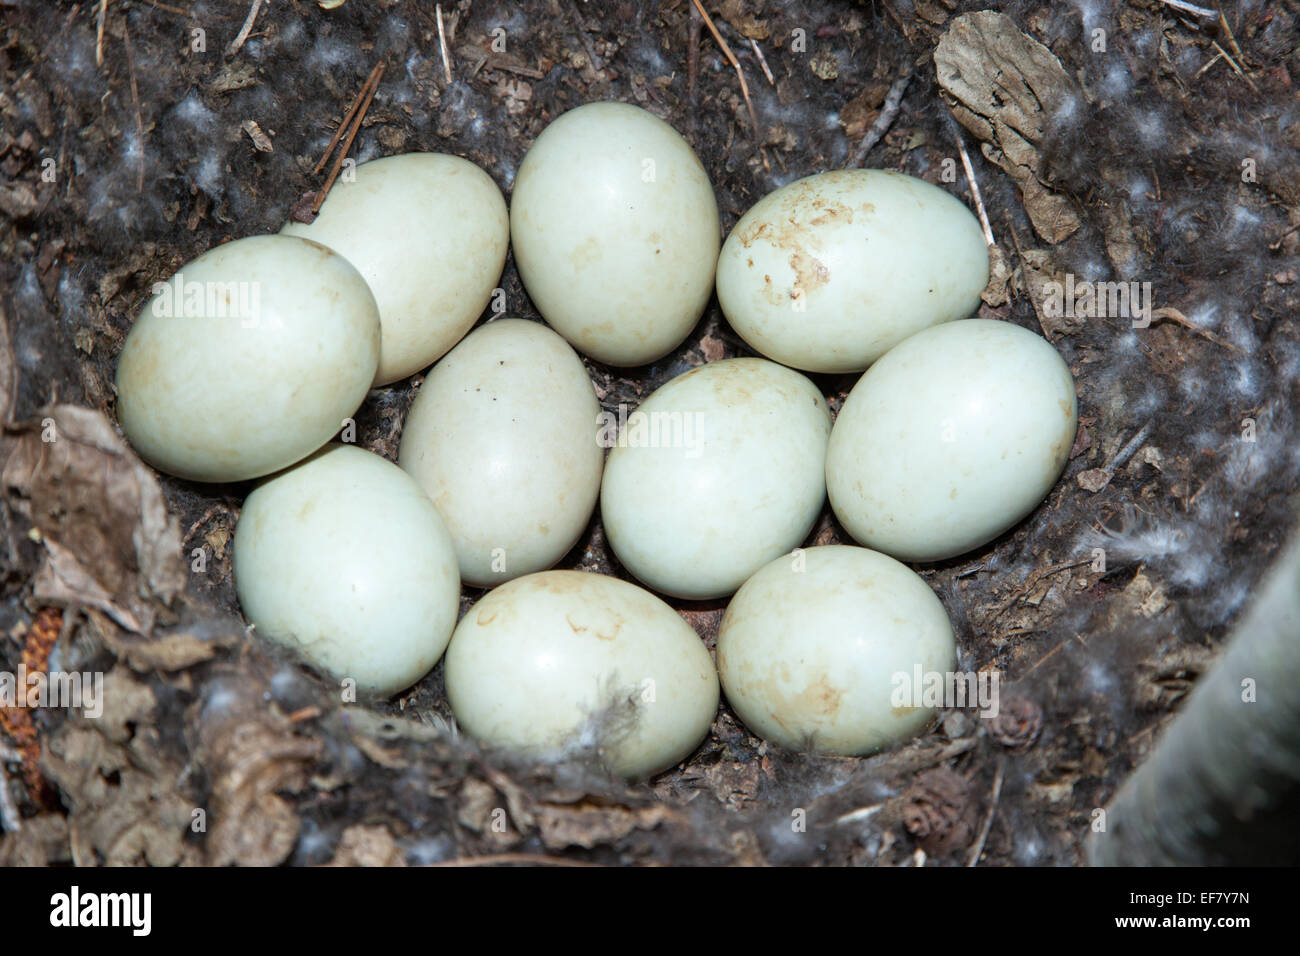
[954,433]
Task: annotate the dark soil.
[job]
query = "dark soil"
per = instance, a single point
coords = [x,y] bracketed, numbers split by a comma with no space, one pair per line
[1183,176]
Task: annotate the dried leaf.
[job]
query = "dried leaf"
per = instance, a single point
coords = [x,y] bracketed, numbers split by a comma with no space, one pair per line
[1044,283]
[750,26]
[995,293]
[588,825]
[110,543]
[252,752]
[1094,479]
[42,841]
[825,65]
[118,784]
[367,846]
[171,652]
[1002,85]
[18,200]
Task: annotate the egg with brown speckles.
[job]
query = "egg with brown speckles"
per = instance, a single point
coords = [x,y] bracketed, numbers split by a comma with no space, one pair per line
[829,272]
[821,651]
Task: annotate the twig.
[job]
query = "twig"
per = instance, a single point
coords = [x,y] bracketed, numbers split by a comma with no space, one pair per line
[346,120]
[1123,455]
[988,820]
[1188,8]
[246,29]
[1233,63]
[1232,40]
[135,100]
[442,46]
[1049,654]
[354,127]
[534,859]
[888,113]
[762,61]
[1275,246]
[902,28]
[1130,449]
[744,87]
[1173,315]
[861,813]
[692,56]
[974,187]
[586,40]
[99,32]
[1213,60]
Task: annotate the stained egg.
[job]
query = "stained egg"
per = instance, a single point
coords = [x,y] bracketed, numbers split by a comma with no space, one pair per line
[429,232]
[950,439]
[718,471]
[555,663]
[344,559]
[503,437]
[615,232]
[821,651]
[248,359]
[829,272]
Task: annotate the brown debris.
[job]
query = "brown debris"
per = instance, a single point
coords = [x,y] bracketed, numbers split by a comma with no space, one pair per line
[589,825]
[939,811]
[261,142]
[253,753]
[1018,723]
[118,784]
[363,845]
